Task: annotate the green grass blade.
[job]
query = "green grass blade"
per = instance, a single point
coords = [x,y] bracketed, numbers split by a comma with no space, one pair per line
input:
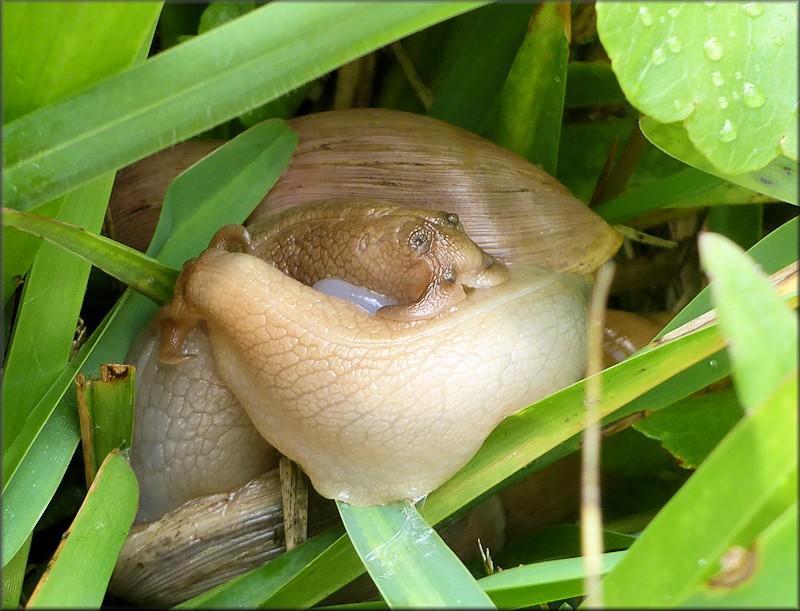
[761,329]
[32,30]
[478,64]
[81,567]
[772,253]
[15,452]
[528,120]
[106,408]
[220,189]
[35,481]
[143,273]
[50,303]
[13,575]
[534,584]
[248,590]
[407,559]
[194,86]
[682,547]
[669,192]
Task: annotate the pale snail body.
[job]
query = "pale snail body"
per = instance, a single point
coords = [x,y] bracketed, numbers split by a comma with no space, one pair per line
[512,210]
[377,410]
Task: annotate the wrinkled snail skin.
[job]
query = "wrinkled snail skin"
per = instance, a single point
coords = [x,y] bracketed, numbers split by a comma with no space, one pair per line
[417,258]
[376,410]
[192,437]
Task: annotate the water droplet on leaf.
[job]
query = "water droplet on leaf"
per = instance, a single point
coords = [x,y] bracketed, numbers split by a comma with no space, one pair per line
[645,16]
[757,67]
[754,9]
[658,57]
[753,96]
[673,12]
[778,40]
[717,79]
[723,102]
[738,75]
[710,5]
[674,45]
[736,95]
[728,132]
[713,49]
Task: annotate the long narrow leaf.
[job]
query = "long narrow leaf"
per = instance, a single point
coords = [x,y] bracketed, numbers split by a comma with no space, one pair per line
[407,559]
[683,545]
[197,85]
[143,273]
[81,567]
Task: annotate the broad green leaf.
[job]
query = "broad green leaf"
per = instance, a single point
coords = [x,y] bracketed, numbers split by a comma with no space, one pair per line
[777,179]
[407,559]
[81,567]
[143,273]
[772,253]
[683,545]
[194,86]
[728,70]
[466,94]
[690,428]
[772,576]
[536,584]
[528,118]
[761,330]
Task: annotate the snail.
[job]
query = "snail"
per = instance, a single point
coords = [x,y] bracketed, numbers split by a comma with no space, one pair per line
[456,361]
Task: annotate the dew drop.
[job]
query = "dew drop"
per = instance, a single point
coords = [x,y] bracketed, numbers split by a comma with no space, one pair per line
[723,102]
[658,57]
[673,12]
[717,79]
[674,45]
[728,132]
[710,5]
[662,19]
[778,40]
[782,17]
[712,49]
[645,16]
[676,105]
[757,67]
[753,96]
[754,9]
[732,34]
[735,95]
[738,75]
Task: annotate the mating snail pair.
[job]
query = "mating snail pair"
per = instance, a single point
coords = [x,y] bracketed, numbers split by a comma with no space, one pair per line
[381,407]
